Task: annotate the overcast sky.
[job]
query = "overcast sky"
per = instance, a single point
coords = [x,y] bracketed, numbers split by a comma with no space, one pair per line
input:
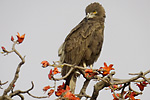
[46,23]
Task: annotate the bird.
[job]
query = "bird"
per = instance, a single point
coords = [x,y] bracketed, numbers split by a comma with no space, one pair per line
[83,44]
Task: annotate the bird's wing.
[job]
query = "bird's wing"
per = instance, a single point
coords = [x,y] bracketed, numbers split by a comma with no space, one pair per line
[77,42]
[62,47]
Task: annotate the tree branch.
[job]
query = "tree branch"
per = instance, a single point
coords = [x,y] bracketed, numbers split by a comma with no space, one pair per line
[17,71]
[100,85]
[133,79]
[83,90]
[2,84]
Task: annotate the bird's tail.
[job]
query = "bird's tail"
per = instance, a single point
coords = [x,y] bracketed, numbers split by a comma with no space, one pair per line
[71,79]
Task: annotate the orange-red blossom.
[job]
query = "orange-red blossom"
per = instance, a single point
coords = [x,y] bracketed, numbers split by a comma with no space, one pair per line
[107,69]
[141,85]
[69,95]
[131,95]
[12,38]
[46,88]
[50,92]
[20,38]
[90,73]
[53,72]
[3,48]
[45,64]
[60,90]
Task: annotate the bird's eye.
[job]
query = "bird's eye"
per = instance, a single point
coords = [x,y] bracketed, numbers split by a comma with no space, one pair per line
[94,12]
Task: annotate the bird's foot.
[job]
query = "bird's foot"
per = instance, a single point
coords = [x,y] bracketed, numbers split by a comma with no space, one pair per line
[91,66]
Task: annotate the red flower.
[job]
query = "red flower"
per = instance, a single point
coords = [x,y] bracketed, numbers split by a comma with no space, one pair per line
[50,74]
[115,87]
[20,38]
[142,85]
[50,92]
[69,95]
[58,93]
[90,73]
[60,90]
[45,64]
[61,86]
[131,95]
[3,48]
[115,98]
[14,85]
[12,38]
[127,95]
[46,88]
[107,69]
[55,71]
[118,95]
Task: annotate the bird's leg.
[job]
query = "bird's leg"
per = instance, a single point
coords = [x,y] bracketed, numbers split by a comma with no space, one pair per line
[84,65]
[91,66]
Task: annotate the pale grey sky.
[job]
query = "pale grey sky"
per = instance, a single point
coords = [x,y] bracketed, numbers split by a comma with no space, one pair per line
[46,23]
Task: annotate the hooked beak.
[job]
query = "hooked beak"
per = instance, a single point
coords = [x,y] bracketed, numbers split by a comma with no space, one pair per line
[90,15]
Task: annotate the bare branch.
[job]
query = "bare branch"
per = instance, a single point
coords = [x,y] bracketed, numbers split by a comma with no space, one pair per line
[100,85]
[83,90]
[2,84]
[123,81]
[19,92]
[16,75]
[134,90]
[37,96]
[122,92]
[21,96]
[57,79]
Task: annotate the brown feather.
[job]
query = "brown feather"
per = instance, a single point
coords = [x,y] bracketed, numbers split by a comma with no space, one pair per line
[84,42]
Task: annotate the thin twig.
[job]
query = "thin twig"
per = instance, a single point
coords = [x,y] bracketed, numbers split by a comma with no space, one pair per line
[2,84]
[122,91]
[70,71]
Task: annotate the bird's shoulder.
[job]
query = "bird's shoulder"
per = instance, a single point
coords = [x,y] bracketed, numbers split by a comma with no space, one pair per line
[83,29]
[81,35]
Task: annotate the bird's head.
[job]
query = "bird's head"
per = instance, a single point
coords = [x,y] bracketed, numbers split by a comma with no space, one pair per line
[95,10]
